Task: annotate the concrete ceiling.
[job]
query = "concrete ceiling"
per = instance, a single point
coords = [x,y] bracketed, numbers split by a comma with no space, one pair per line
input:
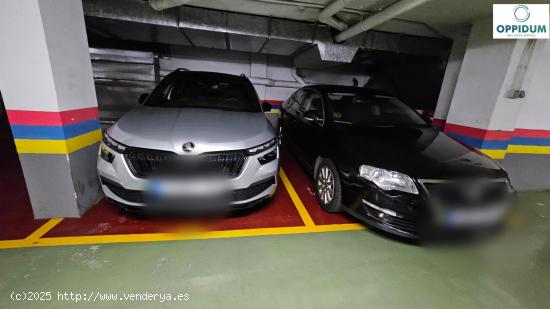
[136,21]
[444,16]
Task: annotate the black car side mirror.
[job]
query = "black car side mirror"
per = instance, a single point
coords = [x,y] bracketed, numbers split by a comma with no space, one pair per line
[142,98]
[312,116]
[426,118]
[266,107]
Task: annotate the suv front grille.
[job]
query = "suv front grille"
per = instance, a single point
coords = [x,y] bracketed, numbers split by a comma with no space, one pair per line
[467,193]
[147,162]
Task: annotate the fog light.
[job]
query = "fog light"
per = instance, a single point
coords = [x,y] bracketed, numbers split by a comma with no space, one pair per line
[383,211]
[106,155]
[268,157]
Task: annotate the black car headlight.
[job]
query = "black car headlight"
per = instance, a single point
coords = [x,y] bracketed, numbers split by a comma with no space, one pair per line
[114,145]
[262,147]
[388,180]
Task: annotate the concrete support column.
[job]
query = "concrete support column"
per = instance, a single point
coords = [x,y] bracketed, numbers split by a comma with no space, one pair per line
[484,110]
[48,89]
[258,68]
[450,78]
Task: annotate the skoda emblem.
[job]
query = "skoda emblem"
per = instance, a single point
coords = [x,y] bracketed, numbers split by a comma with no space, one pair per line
[188,147]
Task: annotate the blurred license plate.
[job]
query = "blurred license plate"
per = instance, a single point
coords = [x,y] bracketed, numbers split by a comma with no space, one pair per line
[473,217]
[184,188]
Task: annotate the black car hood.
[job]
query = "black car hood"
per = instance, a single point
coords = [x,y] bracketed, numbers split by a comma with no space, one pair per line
[420,152]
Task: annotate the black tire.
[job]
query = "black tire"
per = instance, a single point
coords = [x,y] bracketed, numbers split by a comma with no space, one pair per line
[323,183]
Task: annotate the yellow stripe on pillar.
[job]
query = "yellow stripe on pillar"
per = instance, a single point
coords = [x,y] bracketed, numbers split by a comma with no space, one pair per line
[494,153]
[58,146]
[528,149]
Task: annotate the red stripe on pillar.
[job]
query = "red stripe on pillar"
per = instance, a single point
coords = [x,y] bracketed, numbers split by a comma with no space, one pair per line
[478,133]
[36,118]
[532,133]
[274,102]
[438,122]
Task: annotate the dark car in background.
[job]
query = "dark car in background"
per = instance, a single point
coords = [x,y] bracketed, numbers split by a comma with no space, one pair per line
[377,159]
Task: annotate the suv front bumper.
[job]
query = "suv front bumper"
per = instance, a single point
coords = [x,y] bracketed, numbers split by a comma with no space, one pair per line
[255,183]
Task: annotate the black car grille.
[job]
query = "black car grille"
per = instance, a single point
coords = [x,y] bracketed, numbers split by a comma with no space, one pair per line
[468,193]
[147,162]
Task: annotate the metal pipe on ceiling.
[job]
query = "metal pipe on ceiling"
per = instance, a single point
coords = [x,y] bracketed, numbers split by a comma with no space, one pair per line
[327,15]
[160,5]
[379,18]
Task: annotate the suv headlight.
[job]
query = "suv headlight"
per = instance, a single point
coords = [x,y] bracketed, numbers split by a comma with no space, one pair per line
[114,145]
[261,147]
[388,180]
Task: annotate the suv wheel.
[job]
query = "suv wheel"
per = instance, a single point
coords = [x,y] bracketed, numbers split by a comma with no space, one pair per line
[328,188]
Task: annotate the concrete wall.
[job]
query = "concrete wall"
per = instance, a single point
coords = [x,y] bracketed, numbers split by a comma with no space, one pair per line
[123,82]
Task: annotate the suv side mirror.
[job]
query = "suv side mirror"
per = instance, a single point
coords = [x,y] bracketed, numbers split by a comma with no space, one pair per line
[312,116]
[142,98]
[266,107]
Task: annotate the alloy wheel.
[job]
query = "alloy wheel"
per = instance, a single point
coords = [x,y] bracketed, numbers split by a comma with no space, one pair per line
[325,185]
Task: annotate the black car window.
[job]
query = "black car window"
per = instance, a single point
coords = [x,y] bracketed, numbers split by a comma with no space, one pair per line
[371,110]
[206,90]
[312,102]
[292,105]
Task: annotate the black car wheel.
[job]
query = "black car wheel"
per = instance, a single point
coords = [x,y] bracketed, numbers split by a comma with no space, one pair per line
[328,188]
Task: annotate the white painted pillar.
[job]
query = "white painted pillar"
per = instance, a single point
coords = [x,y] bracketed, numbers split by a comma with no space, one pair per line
[47,85]
[482,113]
[450,78]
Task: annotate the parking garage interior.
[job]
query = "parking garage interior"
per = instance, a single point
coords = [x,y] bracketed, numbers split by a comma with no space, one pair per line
[69,70]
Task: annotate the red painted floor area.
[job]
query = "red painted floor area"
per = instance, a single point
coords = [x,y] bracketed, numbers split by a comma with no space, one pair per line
[17,220]
[105,219]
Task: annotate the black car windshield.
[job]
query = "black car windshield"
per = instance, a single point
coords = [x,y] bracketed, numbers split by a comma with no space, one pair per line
[205,90]
[371,110]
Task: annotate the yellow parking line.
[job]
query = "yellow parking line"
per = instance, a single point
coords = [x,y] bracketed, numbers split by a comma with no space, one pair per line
[36,240]
[41,231]
[127,238]
[12,244]
[296,200]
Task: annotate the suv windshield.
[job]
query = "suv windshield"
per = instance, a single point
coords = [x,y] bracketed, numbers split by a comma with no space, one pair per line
[205,90]
[371,110]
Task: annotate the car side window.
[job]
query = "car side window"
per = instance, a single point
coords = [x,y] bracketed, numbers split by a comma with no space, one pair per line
[312,102]
[293,103]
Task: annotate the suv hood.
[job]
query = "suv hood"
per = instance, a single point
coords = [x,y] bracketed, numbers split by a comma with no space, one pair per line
[209,129]
[418,152]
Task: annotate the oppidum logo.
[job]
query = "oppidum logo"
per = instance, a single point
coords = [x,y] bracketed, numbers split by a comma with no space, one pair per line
[521,21]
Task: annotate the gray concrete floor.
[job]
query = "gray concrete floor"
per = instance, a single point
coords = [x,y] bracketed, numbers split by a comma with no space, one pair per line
[320,270]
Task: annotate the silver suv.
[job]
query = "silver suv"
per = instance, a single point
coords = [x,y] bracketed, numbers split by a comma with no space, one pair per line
[197,136]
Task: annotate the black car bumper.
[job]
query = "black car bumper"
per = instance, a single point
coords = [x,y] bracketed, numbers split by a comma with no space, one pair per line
[410,215]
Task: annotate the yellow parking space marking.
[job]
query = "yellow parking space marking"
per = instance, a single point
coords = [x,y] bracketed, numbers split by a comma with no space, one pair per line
[131,238]
[36,240]
[13,244]
[296,199]
[41,231]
